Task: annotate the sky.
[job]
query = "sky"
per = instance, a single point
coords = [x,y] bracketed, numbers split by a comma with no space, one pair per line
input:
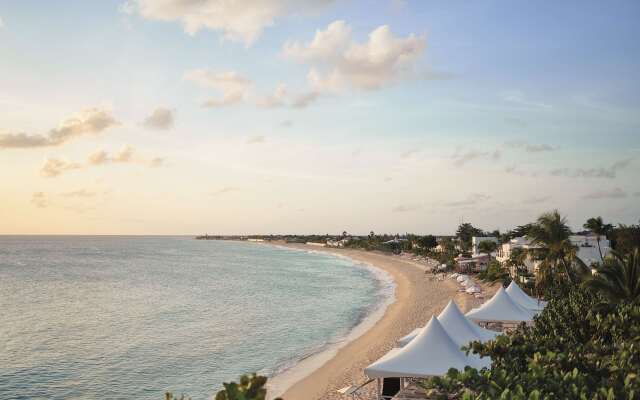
[316,116]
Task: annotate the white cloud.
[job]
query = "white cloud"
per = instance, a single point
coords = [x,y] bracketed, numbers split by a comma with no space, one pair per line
[471,200]
[89,121]
[256,139]
[407,208]
[127,155]
[40,199]
[277,99]
[609,172]
[54,167]
[233,86]
[238,20]
[460,159]
[338,62]
[160,119]
[616,193]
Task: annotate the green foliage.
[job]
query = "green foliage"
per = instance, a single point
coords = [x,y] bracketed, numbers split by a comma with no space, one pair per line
[495,272]
[251,387]
[625,238]
[619,278]
[577,349]
[465,232]
[487,246]
[427,242]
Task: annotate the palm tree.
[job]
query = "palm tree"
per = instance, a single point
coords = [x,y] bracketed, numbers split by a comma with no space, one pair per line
[597,226]
[618,278]
[551,234]
[517,259]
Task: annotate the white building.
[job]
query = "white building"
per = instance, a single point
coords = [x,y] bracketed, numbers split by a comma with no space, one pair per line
[588,248]
[586,245]
[475,243]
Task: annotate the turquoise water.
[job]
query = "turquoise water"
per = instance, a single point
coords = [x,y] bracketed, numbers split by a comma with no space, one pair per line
[133,317]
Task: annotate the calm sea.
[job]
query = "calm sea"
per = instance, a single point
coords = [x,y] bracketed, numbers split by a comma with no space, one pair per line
[133,317]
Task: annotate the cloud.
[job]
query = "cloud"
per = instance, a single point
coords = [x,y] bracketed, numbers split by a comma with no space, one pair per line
[241,21]
[537,148]
[519,98]
[40,199]
[277,99]
[409,153]
[54,167]
[82,193]
[256,139]
[160,119]
[224,190]
[536,200]
[471,200]
[233,86]
[89,121]
[1,23]
[303,100]
[609,172]
[127,155]
[528,147]
[338,62]
[460,159]
[406,208]
[616,193]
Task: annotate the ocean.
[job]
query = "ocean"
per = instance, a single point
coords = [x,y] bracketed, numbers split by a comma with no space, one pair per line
[115,317]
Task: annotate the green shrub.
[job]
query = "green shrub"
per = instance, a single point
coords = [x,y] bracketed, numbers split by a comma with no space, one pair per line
[578,348]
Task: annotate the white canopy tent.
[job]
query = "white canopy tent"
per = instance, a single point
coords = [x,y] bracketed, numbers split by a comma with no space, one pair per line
[459,328]
[524,300]
[501,308]
[431,353]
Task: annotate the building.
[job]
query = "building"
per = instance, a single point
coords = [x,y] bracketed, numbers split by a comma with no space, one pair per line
[586,245]
[472,264]
[588,248]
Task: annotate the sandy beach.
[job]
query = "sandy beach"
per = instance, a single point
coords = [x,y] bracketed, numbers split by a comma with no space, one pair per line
[417,298]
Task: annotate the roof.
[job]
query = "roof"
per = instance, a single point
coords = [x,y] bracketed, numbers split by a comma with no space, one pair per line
[523,299]
[460,328]
[431,353]
[501,308]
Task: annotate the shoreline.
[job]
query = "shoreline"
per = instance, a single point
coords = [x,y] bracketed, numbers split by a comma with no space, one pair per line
[283,381]
[415,299]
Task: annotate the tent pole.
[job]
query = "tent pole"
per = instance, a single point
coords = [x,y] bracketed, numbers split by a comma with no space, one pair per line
[378,388]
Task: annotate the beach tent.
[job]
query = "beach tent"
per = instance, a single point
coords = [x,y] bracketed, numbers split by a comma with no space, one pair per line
[431,353]
[524,300]
[459,328]
[501,308]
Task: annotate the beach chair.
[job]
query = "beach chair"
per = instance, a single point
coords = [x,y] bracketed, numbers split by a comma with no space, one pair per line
[354,389]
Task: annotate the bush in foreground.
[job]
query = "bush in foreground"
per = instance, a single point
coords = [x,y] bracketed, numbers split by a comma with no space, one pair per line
[579,348]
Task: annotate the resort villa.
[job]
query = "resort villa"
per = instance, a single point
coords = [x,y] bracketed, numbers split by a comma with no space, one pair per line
[587,250]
